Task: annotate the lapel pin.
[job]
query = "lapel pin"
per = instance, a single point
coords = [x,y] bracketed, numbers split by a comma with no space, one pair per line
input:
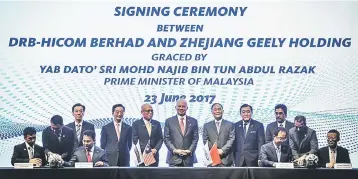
[239,125]
[24,148]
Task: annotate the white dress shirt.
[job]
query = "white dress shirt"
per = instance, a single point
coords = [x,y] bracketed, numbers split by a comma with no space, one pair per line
[30,150]
[278,151]
[283,124]
[218,126]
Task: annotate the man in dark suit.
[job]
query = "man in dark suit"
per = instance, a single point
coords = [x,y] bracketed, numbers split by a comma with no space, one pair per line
[29,152]
[281,114]
[222,132]
[332,154]
[303,140]
[116,138]
[89,152]
[58,138]
[275,152]
[181,137]
[148,129]
[79,125]
[249,137]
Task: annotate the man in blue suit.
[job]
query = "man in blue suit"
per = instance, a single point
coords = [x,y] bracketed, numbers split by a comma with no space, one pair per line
[249,137]
[181,137]
[116,138]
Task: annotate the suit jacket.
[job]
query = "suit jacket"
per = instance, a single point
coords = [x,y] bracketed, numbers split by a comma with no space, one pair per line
[140,133]
[117,151]
[21,155]
[52,143]
[247,149]
[308,145]
[225,139]
[80,156]
[268,154]
[85,126]
[174,139]
[270,129]
[342,156]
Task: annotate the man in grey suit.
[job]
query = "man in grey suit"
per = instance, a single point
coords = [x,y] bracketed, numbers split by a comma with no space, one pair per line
[79,125]
[274,152]
[89,152]
[181,137]
[281,114]
[116,138]
[249,137]
[303,140]
[222,132]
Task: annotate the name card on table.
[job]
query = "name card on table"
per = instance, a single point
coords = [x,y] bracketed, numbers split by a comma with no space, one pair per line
[83,165]
[23,165]
[284,165]
[343,166]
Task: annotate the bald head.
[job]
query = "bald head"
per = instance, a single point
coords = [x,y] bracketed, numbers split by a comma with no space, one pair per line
[147,111]
[181,107]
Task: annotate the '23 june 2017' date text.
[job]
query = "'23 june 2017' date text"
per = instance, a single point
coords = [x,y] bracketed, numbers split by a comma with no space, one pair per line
[164,98]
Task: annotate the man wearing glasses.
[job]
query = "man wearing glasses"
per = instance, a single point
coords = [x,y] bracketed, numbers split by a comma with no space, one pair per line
[274,152]
[332,154]
[280,114]
[148,129]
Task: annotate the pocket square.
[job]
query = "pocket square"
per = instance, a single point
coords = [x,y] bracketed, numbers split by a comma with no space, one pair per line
[252,132]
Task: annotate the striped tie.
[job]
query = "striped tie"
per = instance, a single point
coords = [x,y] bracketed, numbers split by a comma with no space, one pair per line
[78,132]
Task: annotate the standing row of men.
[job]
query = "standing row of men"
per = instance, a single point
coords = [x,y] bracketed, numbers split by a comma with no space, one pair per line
[241,144]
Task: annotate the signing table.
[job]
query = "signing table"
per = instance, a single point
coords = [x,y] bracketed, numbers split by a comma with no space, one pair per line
[177,173]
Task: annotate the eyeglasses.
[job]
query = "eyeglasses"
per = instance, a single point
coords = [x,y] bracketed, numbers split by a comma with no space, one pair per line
[281,139]
[148,111]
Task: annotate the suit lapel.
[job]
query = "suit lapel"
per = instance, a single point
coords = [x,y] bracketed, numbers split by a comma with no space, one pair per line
[123,128]
[241,130]
[187,125]
[154,127]
[95,155]
[24,150]
[303,140]
[273,151]
[249,129]
[296,140]
[144,128]
[176,121]
[214,127]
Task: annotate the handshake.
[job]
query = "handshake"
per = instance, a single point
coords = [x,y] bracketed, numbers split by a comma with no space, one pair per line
[182,152]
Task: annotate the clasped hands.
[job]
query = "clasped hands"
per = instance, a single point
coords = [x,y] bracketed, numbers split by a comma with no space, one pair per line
[182,152]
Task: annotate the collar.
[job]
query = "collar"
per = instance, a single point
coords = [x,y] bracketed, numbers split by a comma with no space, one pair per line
[146,122]
[335,149]
[179,117]
[115,122]
[283,123]
[276,147]
[220,121]
[248,123]
[28,146]
[76,123]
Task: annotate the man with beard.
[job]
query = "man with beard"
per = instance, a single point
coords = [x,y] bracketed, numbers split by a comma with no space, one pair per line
[181,137]
[116,138]
[332,154]
[281,114]
[29,152]
[58,138]
[249,137]
[148,130]
[303,140]
[222,132]
[89,152]
[79,125]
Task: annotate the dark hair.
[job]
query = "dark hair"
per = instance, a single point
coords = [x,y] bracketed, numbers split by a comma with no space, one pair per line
[57,119]
[246,105]
[90,133]
[78,104]
[278,129]
[212,106]
[300,118]
[336,132]
[29,131]
[283,107]
[116,106]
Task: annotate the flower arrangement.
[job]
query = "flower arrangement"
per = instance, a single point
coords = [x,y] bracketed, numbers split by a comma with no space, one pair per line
[54,160]
[311,160]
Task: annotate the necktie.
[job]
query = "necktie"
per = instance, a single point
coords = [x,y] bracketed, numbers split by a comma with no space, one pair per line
[218,126]
[278,152]
[149,128]
[245,124]
[182,125]
[31,153]
[78,132]
[118,131]
[333,157]
[89,158]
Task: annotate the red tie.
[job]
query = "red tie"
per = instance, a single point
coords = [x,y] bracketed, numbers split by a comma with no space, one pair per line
[182,125]
[89,159]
